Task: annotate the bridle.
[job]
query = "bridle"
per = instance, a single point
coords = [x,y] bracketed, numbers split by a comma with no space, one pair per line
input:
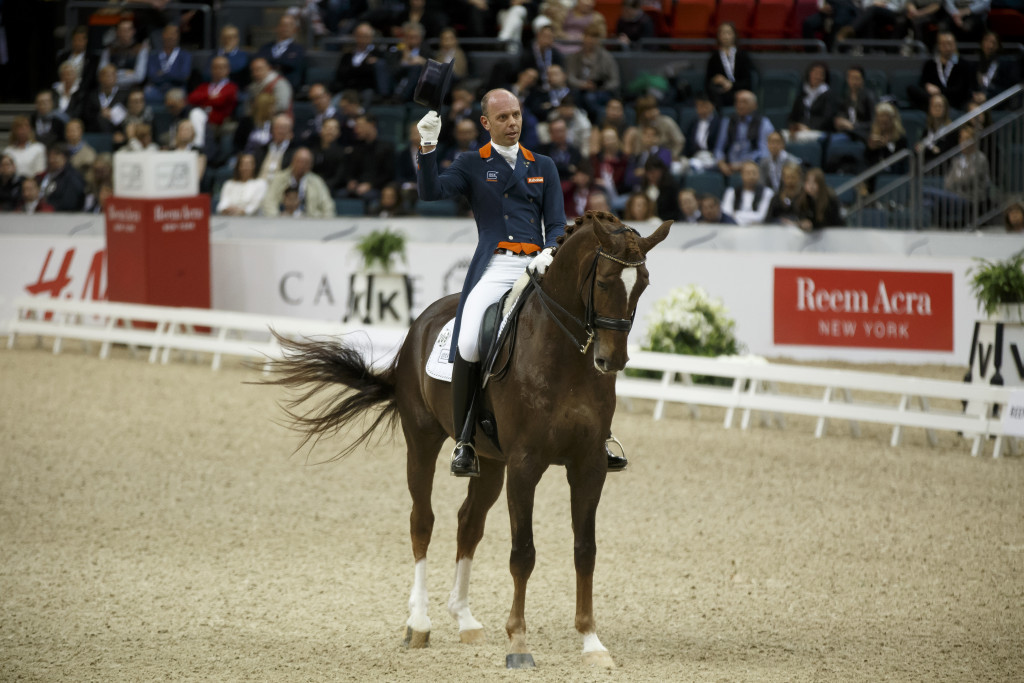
[591,321]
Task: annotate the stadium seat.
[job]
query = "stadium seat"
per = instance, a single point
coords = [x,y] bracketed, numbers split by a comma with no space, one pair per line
[390,122]
[706,182]
[801,10]
[834,180]
[441,208]
[320,74]
[809,152]
[779,88]
[877,80]
[302,112]
[771,18]
[1007,23]
[349,207]
[610,10]
[779,116]
[739,12]
[898,82]
[845,154]
[692,19]
[101,142]
[914,124]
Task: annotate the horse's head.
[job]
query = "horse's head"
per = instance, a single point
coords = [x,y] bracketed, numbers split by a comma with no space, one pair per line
[617,279]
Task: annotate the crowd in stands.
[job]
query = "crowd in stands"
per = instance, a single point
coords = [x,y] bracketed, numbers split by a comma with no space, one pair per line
[270,142]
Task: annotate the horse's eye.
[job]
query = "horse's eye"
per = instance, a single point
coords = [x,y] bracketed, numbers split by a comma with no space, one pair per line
[602,285]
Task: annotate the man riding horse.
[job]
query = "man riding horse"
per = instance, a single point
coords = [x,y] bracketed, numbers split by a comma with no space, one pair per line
[516,198]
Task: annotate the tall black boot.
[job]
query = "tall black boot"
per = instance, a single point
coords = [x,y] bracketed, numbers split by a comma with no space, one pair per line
[465,387]
[616,463]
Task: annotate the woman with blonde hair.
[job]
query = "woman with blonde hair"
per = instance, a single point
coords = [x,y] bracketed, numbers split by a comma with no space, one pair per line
[886,137]
[937,118]
[28,154]
[819,206]
[254,130]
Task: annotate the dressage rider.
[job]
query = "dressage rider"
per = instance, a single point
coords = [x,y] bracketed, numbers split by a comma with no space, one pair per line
[516,198]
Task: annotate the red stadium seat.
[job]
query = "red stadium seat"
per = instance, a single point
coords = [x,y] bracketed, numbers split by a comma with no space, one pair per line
[771,19]
[610,10]
[693,19]
[739,12]
[1006,23]
[801,10]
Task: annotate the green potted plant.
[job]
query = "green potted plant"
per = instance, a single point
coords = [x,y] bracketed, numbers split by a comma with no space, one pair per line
[999,286]
[380,248]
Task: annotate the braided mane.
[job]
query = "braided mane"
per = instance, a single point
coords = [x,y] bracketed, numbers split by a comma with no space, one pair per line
[632,250]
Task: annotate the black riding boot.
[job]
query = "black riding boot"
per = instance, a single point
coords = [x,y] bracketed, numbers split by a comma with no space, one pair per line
[616,463]
[465,386]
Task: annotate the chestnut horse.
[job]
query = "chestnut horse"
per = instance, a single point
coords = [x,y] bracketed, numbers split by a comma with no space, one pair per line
[553,406]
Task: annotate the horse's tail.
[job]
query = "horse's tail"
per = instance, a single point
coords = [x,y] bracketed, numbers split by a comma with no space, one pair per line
[314,366]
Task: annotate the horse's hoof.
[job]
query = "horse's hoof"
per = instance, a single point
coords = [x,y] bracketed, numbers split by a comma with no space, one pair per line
[472,636]
[416,640]
[599,658]
[518,660]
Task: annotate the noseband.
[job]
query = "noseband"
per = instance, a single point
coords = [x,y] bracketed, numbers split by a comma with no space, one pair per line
[591,321]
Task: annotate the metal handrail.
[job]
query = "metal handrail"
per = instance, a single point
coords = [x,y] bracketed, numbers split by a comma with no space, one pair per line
[895,45]
[74,5]
[752,44]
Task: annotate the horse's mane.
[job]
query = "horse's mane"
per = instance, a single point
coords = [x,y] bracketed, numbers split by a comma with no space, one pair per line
[632,250]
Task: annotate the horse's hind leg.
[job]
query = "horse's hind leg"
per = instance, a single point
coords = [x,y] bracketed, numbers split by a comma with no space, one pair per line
[423,443]
[483,491]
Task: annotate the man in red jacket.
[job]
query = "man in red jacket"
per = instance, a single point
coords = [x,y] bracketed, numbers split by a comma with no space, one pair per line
[219,97]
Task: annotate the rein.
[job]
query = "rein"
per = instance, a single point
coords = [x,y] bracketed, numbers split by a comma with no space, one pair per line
[591,321]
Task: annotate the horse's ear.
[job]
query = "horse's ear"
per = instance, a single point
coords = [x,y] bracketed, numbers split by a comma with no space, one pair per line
[602,222]
[649,242]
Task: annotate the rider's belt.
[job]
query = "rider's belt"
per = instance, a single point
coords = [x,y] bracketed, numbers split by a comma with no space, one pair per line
[516,248]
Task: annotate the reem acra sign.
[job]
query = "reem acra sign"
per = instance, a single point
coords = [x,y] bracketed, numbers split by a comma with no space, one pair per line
[864,308]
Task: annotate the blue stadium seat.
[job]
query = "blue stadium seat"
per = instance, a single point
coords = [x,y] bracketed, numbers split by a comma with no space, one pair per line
[349,207]
[706,182]
[320,74]
[390,122]
[779,88]
[898,82]
[845,154]
[834,180]
[914,123]
[101,142]
[809,152]
[441,208]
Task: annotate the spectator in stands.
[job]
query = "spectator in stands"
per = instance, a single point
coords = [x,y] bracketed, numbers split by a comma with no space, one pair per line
[10,183]
[565,155]
[410,58]
[31,201]
[68,92]
[818,207]
[743,136]
[966,19]
[81,155]
[265,79]
[661,188]
[633,25]
[542,55]
[329,159]
[314,197]
[362,67]
[285,55]
[169,67]
[238,59]
[449,51]
[1013,219]
[946,74]
[219,97]
[598,201]
[880,20]
[47,123]
[856,108]
[639,208]
[994,74]
[711,211]
[278,152]
[545,98]
[185,141]
[405,169]
[814,108]
[581,18]
[577,191]
[103,109]
[648,113]
[832,17]
[576,120]
[350,108]
[390,204]
[689,206]
[775,161]
[323,110]
[139,138]
[965,189]
[702,135]
[919,19]
[886,136]
[938,118]
[129,58]
[748,204]
[101,173]
[465,141]
[649,148]
[61,184]
[29,155]
[136,112]
[429,15]
[98,203]
[254,131]
[783,207]
[178,107]
[462,109]
[373,161]
[729,70]
[593,72]
[77,56]
[243,194]
[610,164]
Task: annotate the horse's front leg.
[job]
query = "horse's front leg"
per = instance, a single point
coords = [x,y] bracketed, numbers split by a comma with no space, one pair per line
[521,489]
[585,484]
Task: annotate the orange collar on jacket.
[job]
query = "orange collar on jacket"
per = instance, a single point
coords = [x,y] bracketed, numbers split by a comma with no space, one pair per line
[485,152]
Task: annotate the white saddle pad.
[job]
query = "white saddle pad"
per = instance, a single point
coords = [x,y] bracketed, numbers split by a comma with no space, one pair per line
[438,365]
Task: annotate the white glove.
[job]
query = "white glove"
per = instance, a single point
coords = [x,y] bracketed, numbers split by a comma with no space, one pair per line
[429,128]
[541,261]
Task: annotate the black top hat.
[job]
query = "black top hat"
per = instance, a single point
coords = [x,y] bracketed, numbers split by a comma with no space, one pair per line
[432,88]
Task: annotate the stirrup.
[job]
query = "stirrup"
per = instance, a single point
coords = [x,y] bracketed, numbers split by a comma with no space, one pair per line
[616,463]
[472,469]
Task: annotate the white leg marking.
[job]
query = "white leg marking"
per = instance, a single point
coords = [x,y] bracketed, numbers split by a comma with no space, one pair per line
[591,643]
[458,599]
[629,280]
[418,619]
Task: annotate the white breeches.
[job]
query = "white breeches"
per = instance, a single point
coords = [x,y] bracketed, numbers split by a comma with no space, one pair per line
[501,273]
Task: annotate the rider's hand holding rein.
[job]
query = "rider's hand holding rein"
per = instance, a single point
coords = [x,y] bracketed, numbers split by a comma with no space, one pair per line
[430,129]
[541,261]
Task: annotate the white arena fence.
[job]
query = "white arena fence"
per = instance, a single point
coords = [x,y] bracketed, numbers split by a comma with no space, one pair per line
[753,383]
